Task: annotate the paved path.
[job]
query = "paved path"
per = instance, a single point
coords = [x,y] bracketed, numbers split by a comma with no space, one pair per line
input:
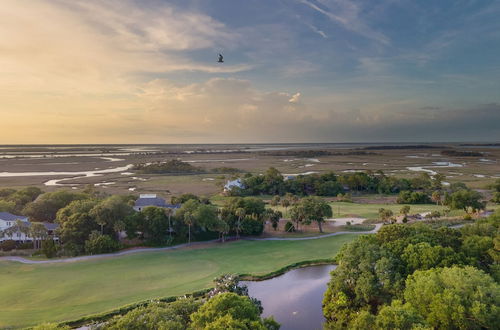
[141,250]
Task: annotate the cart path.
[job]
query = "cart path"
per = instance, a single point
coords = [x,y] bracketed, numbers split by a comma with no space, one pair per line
[180,246]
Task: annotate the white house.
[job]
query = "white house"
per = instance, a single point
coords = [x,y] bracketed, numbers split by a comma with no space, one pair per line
[238,183]
[146,200]
[8,220]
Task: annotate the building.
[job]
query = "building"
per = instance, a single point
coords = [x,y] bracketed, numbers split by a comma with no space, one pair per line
[230,185]
[8,220]
[146,200]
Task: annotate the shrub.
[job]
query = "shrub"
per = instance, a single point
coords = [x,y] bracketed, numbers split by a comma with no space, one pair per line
[98,243]
[49,248]
[24,246]
[8,245]
[467,217]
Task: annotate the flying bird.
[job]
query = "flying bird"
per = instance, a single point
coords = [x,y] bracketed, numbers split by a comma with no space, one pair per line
[221,59]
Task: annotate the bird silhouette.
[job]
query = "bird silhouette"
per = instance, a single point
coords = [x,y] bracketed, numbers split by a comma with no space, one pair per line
[221,59]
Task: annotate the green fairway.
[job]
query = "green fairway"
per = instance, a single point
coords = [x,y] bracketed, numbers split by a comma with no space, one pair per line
[370,211]
[31,294]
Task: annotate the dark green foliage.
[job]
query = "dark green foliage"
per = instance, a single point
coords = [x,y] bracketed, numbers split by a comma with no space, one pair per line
[228,311]
[184,198]
[46,207]
[457,153]
[98,243]
[465,199]
[454,298]
[252,225]
[173,166]
[14,201]
[156,315]
[416,197]
[76,224]
[406,262]
[330,184]
[49,248]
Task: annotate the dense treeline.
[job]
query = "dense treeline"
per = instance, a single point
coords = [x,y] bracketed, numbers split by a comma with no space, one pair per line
[402,147]
[413,276]
[457,153]
[272,182]
[173,166]
[176,166]
[14,201]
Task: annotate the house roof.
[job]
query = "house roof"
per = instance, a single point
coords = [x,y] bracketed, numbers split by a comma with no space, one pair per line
[154,201]
[235,183]
[12,217]
[50,226]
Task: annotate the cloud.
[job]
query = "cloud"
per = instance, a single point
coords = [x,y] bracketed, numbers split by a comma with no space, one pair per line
[98,46]
[295,98]
[347,14]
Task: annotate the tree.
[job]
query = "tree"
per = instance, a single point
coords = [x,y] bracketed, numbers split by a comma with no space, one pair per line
[405,210]
[467,200]
[240,213]
[385,214]
[454,298]
[155,225]
[436,197]
[316,209]
[98,243]
[423,256]
[398,316]
[169,212]
[110,211]
[187,212]
[273,217]
[38,233]
[45,208]
[157,315]
[297,215]
[228,311]
[285,202]
[275,200]
[49,248]
[76,224]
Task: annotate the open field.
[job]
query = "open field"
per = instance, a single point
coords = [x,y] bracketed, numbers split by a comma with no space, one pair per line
[477,172]
[59,292]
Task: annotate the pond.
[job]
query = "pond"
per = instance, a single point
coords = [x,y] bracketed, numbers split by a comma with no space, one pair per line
[294,298]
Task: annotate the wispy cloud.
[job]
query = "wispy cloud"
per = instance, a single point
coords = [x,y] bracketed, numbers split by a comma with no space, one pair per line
[347,14]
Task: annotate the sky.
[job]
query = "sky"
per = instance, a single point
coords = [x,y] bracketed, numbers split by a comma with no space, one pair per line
[146,71]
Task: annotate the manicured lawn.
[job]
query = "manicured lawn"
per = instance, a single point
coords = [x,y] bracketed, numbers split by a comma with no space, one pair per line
[370,211]
[32,294]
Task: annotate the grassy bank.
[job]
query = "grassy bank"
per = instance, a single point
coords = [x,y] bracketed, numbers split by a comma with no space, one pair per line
[32,294]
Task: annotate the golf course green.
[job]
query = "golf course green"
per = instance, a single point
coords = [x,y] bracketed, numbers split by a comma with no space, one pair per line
[34,293]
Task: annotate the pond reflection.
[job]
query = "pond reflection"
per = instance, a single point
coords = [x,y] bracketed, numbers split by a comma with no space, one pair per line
[294,298]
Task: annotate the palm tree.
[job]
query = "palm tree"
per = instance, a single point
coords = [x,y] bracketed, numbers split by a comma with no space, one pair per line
[436,197]
[240,213]
[38,232]
[189,220]
[169,212]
